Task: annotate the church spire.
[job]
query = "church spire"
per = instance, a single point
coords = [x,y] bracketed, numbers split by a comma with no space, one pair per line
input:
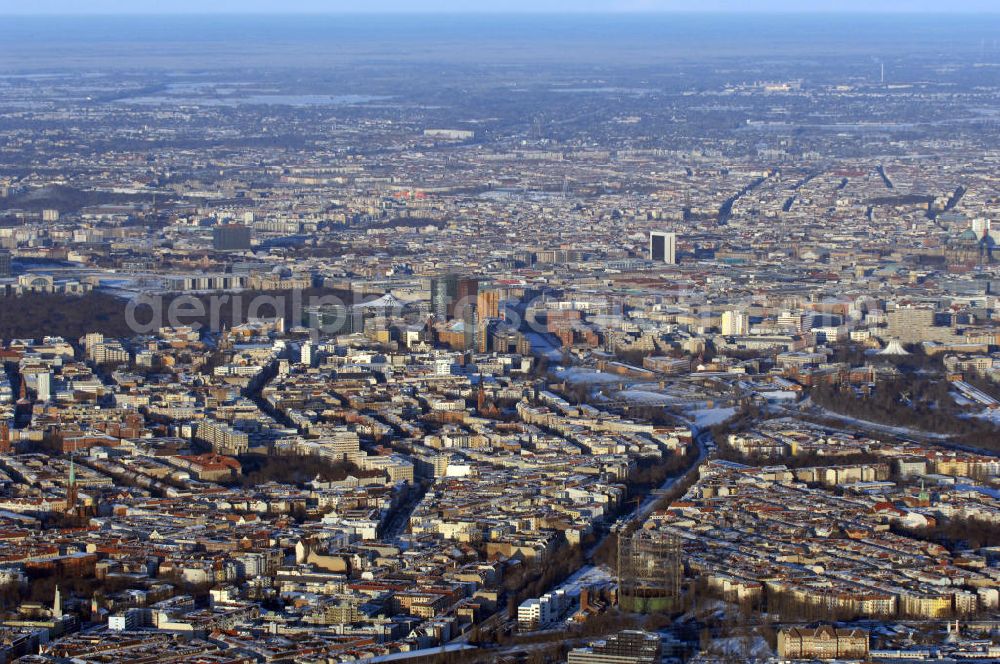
[57,611]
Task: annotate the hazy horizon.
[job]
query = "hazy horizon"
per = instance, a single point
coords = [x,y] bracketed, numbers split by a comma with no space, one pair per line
[195,41]
[540,7]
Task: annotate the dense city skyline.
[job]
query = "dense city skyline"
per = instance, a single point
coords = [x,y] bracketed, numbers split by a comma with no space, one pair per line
[589,338]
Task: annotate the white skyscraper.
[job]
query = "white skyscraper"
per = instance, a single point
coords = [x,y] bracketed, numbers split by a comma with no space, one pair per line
[735,323]
[663,247]
[305,354]
[44,386]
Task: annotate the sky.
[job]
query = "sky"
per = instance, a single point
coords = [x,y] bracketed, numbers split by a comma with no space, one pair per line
[22,7]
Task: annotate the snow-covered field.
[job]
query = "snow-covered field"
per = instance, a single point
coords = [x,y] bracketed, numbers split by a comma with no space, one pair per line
[747,649]
[644,397]
[711,416]
[885,428]
[586,376]
[587,575]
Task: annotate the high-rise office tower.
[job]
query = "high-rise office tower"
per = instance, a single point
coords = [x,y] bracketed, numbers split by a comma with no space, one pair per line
[488,304]
[439,296]
[335,319]
[452,294]
[471,325]
[44,386]
[231,237]
[6,268]
[735,323]
[466,292]
[663,247]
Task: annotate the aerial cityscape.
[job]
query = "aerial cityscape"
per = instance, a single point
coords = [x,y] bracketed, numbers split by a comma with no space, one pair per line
[600,338]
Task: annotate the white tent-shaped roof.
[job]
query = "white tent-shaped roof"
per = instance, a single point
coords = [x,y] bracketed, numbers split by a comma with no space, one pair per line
[893,348]
[387,301]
